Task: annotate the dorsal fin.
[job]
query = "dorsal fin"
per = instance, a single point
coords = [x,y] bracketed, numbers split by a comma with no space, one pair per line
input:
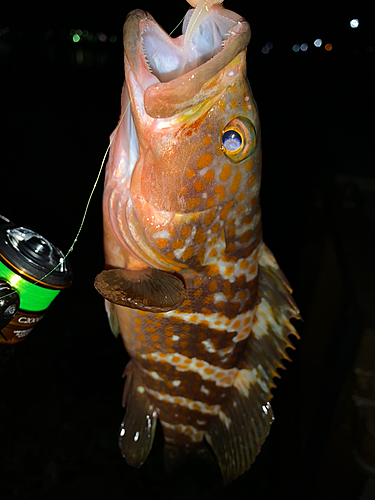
[237,438]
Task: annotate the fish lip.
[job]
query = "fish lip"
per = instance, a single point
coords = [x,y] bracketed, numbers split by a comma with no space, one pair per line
[132,35]
[165,99]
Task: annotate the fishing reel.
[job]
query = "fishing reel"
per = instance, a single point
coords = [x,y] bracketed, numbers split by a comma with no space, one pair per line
[32,274]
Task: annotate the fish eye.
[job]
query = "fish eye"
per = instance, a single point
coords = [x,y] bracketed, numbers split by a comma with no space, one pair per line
[231,140]
[238,139]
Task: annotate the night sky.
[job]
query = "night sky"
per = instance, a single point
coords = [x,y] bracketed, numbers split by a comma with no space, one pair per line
[60,393]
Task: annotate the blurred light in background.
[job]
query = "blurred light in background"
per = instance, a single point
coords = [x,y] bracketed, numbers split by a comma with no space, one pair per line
[81,35]
[354,23]
[296,47]
[267,47]
[328,47]
[304,47]
[318,42]
[4,31]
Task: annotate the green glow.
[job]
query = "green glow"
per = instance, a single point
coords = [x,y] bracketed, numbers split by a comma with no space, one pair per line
[14,280]
[71,32]
[113,38]
[85,33]
[32,297]
[76,38]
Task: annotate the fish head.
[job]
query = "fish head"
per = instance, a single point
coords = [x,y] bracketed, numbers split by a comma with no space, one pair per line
[194,136]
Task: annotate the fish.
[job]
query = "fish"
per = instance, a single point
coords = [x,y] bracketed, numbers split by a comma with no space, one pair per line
[202,307]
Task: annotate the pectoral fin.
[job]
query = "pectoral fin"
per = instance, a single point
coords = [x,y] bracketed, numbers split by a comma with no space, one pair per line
[139,424]
[112,318]
[150,290]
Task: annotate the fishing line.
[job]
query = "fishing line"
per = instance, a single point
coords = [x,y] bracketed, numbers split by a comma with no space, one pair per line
[62,259]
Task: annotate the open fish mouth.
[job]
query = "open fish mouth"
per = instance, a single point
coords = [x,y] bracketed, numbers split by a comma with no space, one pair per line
[169,58]
[220,34]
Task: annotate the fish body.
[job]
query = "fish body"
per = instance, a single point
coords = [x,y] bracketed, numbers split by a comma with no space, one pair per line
[199,300]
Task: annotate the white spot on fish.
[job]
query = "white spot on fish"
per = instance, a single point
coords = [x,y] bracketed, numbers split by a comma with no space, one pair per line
[208,345]
[264,321]
[245,378]
[141,389]
[178,253]
[175,338]
[203,389]
[219,297]
[162,234]
[176,383]
[226,420]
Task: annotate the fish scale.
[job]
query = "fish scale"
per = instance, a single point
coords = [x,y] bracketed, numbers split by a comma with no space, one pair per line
[207,329]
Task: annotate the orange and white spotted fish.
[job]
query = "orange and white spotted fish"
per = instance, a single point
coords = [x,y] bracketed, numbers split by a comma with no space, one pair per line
[200,302]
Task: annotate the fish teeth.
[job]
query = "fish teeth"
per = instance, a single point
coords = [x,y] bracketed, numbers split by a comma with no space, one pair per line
[225,39]
[145,55]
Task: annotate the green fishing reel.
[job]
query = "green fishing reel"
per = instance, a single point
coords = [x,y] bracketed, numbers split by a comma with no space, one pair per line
[32,274]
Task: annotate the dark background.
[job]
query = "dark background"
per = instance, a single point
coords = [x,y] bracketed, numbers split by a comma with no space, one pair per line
[60,392]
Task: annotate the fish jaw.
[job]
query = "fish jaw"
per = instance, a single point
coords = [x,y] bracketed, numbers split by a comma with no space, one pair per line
[179,85]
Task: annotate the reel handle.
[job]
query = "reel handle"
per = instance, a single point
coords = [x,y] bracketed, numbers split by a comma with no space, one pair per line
[9,304]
